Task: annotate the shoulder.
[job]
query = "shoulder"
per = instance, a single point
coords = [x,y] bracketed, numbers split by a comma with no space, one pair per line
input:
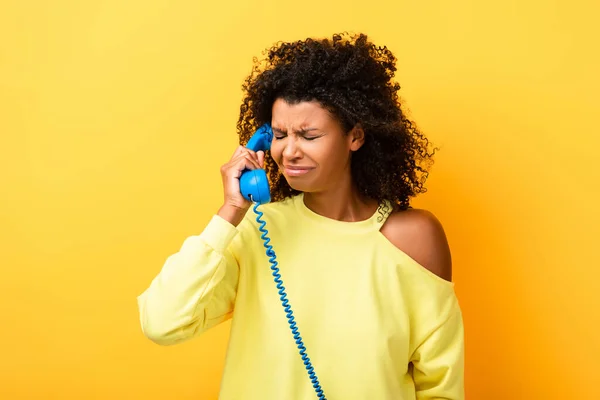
[420,235]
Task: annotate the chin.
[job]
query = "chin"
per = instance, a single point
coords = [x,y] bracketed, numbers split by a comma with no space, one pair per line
[304,187]
[299,186]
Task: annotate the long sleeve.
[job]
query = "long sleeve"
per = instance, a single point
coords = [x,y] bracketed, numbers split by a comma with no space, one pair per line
[195,289]
[438,362]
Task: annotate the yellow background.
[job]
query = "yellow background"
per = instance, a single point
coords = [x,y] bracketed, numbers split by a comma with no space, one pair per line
[116,115]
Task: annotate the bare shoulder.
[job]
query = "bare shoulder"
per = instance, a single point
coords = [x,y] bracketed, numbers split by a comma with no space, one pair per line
[420,235]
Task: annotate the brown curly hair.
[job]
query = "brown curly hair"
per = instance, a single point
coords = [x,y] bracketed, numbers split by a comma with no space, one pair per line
[351,78]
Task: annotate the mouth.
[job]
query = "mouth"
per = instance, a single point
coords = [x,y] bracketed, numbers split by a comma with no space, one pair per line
[296,170]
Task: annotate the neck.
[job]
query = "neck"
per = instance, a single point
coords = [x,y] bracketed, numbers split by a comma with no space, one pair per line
[341,202]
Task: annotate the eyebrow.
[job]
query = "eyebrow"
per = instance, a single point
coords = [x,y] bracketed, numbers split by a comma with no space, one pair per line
[298,132]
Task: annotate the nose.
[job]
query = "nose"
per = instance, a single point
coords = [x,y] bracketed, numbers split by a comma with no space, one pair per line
[292,149]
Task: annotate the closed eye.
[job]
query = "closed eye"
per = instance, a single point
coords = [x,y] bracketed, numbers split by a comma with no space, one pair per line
[280,134]
[309,138]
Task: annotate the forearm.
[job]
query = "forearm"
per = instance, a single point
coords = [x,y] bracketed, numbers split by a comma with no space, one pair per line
[195,284]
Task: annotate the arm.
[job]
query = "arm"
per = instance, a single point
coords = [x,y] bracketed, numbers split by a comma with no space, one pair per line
[195,289]
[438,356]
[197,286]
[438,362]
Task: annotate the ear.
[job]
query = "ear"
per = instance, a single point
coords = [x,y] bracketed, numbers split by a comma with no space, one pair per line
[356,137]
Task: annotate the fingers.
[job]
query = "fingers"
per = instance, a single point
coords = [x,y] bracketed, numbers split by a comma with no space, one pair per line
[261,158]
[243,158]
[237,152]
[242,162]
[248,161]
[256,156]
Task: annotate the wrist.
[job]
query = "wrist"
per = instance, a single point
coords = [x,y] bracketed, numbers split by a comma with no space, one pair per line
[233,215]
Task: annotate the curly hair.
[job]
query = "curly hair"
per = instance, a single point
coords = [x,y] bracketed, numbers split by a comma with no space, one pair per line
[351,78]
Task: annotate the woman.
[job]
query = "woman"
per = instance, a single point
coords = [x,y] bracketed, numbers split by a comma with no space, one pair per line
[367,276]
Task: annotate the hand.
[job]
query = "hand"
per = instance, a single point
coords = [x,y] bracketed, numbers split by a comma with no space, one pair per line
[234,204]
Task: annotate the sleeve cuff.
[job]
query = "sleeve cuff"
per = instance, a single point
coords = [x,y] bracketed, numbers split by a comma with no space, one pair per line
[218,233]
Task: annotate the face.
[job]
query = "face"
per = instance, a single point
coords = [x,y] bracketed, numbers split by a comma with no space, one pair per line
[310,147]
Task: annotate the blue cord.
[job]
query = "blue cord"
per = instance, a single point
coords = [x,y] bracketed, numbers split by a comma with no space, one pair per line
[286,304]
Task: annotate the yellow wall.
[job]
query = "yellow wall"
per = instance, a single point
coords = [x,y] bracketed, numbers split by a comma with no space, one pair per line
[116,115]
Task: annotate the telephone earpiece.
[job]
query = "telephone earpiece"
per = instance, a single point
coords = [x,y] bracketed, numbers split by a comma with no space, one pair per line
[254,184]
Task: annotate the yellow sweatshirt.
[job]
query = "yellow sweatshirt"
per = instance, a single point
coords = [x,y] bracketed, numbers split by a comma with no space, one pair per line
[375,323]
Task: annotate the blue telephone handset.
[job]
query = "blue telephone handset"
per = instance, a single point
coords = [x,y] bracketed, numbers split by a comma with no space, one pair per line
[254,186]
